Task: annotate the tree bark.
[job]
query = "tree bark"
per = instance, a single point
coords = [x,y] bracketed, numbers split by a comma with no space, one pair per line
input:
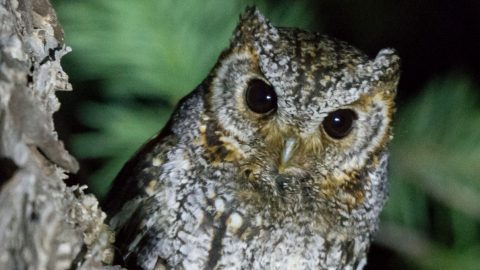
[44,224]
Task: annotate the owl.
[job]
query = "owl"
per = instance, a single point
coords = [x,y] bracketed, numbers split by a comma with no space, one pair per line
[277,160]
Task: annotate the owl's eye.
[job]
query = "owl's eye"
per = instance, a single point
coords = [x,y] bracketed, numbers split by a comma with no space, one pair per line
[339,123]
[260,97]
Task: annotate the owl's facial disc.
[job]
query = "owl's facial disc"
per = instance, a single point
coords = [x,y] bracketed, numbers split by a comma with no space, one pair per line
[306,117]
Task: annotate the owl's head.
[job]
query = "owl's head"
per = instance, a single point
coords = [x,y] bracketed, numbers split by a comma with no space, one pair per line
[305,117]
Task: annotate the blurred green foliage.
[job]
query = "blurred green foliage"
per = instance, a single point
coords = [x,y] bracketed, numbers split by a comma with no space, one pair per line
[157,51]
[435,176]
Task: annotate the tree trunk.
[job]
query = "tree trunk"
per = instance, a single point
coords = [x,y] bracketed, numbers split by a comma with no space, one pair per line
[44,224]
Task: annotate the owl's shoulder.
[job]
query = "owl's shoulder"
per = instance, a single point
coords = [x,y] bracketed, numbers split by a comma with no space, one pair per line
[142,172]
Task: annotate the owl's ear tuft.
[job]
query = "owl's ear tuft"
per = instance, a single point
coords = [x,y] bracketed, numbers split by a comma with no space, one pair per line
[387,64]
[251,14]
[253,26]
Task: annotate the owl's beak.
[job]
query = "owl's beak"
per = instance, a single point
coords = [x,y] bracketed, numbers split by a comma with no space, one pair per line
[287,152]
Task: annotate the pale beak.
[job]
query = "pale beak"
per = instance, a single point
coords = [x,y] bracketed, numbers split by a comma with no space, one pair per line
[287,151]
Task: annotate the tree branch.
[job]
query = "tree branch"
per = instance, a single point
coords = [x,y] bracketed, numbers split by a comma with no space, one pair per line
[44,224]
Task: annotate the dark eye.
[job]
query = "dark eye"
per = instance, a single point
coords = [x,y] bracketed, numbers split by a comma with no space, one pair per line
[339,123]
[260,97]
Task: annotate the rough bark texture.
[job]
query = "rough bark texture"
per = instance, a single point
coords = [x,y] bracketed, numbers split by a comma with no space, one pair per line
[44,224]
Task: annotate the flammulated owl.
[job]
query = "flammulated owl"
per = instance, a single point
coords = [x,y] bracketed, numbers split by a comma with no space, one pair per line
[276,161]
